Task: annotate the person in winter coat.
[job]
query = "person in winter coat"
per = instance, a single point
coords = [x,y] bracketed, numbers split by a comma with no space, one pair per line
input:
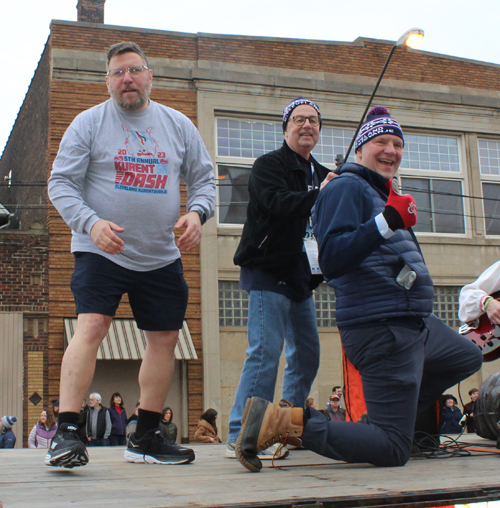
[405,355]
[82,422]
[469,410]
[277,254]
[451,416]
[207,429]
[43,431]
[334,412]
[132,422]
[118,417]
[310,402]
[98,422]
[168,426]
[7,437]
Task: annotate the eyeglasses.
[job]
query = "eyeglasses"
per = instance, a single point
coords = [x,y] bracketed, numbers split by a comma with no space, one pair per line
[134,71]
[301,120]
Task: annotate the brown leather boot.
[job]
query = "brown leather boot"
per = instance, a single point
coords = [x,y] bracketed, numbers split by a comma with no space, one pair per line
[263,424]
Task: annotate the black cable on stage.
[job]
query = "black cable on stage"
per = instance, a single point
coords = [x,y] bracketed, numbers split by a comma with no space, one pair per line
[429,446]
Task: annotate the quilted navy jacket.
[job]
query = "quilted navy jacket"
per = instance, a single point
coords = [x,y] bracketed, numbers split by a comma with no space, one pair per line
[357,261]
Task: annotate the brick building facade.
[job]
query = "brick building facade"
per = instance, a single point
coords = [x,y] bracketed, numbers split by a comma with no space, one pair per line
[230,87]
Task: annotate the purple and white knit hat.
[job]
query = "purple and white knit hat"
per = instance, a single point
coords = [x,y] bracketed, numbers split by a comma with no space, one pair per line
[378,122]
[287,112]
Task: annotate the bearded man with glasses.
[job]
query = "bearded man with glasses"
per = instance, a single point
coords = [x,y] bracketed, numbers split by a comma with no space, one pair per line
[116,183]
[279,269]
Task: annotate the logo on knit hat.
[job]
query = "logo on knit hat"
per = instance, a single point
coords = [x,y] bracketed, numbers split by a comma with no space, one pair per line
[287,112]
[378,122]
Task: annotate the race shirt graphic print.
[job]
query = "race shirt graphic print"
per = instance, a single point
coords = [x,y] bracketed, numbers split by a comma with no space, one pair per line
[141,166]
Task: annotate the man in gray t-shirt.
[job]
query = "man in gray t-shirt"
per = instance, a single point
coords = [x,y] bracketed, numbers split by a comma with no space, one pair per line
[116,183]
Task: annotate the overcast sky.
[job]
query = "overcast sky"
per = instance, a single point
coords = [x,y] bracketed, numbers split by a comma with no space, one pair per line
[463,28]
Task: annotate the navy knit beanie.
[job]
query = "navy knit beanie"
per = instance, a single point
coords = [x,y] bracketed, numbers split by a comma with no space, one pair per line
[378,122]
[287,112]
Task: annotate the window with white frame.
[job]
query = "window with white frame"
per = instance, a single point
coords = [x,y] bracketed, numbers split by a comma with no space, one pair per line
[240,142]
[233,305]
[431,172]
[489,164]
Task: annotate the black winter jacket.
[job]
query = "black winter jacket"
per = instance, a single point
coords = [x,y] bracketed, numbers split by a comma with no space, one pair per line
[277,213]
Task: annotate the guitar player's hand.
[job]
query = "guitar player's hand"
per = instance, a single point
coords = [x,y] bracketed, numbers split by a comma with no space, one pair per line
[493,311]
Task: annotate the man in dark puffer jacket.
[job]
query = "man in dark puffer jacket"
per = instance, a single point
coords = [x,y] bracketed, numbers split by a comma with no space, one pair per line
[406,356]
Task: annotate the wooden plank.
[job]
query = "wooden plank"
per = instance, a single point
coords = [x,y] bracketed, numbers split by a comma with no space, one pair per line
[212,480]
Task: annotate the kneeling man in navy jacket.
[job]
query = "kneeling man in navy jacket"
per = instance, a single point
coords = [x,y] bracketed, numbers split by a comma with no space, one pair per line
[406,356]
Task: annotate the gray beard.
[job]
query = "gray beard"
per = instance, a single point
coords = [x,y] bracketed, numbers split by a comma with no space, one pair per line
[139,103]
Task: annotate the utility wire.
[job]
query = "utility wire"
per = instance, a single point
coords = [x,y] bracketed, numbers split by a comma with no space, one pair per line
[221,183]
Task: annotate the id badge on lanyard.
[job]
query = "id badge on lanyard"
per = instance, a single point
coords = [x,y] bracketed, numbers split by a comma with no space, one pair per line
[310,243]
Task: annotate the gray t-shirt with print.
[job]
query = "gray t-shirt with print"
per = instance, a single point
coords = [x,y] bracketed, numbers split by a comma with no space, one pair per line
[126,167]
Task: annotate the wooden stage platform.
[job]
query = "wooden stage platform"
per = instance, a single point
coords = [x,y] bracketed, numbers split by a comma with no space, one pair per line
[304,480]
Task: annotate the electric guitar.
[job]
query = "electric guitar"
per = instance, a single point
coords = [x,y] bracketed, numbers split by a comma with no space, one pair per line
[484,334]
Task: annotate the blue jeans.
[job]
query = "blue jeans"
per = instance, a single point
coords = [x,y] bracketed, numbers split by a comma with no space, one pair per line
[98,442]
[274,320]
[404,368]
[117,440]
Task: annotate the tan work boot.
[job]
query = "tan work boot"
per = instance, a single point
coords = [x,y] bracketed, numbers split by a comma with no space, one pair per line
[263,424]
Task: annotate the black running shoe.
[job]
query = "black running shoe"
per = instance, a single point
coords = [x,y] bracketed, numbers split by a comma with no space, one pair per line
[66,448]
[154,448]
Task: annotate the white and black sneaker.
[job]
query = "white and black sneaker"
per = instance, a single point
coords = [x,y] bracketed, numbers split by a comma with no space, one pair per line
[273,452]
[66,449]
[230,450]
[154,448]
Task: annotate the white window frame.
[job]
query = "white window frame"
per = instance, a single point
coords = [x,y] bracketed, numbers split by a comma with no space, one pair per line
[485,178]
[460,175]
[443,175]
[244,162]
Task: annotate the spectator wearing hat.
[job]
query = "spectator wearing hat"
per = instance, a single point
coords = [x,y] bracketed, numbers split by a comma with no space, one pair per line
[278,258]
[336,390]
[469,410]
[405,355]
[7,437]
[334,412]
[450,416]
[43,431]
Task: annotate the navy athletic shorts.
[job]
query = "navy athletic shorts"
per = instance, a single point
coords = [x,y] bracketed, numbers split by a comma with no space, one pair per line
[158,298]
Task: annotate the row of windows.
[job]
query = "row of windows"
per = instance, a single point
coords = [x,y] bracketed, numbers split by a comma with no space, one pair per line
[440,199]
[237,138]
[233,305]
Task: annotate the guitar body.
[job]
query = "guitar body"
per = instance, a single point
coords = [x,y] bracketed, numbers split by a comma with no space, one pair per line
[484,334]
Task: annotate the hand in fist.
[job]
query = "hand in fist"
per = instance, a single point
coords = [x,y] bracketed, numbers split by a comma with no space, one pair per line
[401,210]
